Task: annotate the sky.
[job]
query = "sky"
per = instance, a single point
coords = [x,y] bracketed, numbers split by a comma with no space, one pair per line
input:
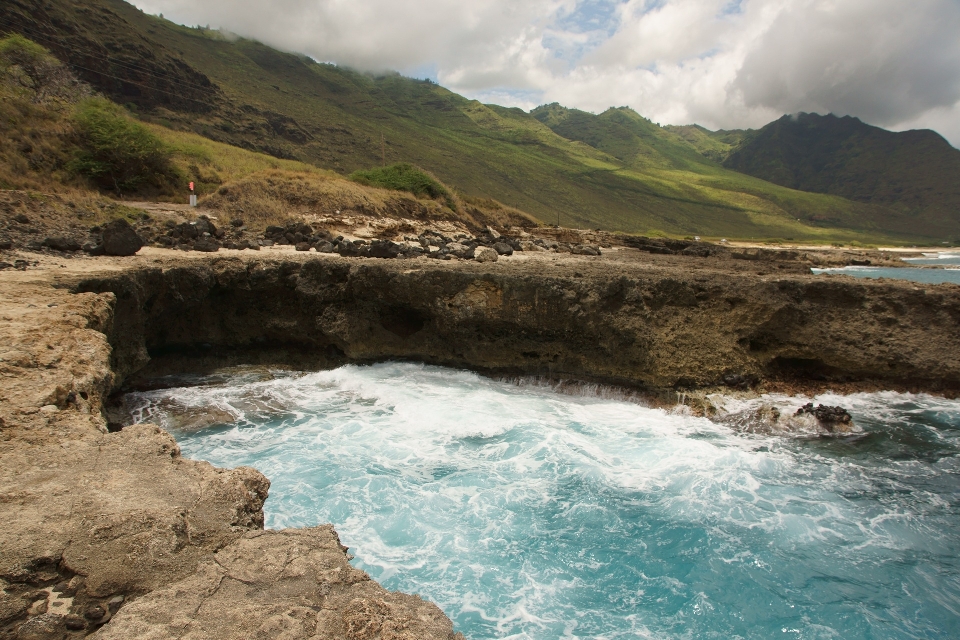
[719,63]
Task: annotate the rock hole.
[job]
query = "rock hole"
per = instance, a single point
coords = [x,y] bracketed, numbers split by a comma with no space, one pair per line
[402,321]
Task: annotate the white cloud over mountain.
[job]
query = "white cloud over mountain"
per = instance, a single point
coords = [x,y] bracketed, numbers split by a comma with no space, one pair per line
[720,63]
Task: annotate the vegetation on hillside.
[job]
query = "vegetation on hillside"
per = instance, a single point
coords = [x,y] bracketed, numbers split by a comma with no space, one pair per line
[273,196]
[616,171]
[119,154]
[405,177]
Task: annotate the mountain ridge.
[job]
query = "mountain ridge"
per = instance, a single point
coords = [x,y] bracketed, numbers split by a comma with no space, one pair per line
[243,93]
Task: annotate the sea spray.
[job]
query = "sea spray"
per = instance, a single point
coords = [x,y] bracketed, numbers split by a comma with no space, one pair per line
[528,513]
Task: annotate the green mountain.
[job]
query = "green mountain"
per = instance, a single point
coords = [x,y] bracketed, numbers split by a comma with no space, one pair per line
[615,170]
[914,171]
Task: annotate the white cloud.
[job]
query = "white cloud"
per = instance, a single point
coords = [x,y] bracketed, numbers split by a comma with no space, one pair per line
[720,63]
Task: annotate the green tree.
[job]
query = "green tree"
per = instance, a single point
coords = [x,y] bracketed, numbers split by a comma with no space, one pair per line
[116,152]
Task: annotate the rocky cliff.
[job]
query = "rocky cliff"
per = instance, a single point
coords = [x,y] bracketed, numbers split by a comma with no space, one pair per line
[114,533]
[654,325]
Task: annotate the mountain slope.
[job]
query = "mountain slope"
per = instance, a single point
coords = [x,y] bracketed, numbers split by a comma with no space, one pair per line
[914,171]
[634,177]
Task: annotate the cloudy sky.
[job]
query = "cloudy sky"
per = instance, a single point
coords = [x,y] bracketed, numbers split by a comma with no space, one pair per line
[719,63]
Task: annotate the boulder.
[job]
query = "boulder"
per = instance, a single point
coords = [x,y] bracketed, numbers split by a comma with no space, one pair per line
[832,419]
[485,254]
[120,239]
[503,249]
[384,249]
[302,246]
[207,244]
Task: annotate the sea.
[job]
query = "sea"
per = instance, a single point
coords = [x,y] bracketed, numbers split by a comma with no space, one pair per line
[949,260]
[529,510]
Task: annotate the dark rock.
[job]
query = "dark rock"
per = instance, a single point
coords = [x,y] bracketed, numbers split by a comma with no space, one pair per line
[384,249]
[94,613]
[184,231]
[5,265]
[205,225]
[206,244]
[736,381]
[119,239]
[830,418]
[303,246]
[503,249]
[237,222]
[860,263]
[5,244]
[61,243]
[22,219]
[93,249]
[325,246]
[353,249]
[74,623]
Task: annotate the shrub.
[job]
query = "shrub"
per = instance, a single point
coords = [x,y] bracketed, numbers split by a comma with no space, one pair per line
[117,153]
[405,177]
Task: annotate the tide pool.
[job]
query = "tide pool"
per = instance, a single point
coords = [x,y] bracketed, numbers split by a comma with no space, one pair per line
[527,513]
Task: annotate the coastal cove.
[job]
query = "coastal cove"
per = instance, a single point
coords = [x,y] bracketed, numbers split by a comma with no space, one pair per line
[111,512]
[526,512]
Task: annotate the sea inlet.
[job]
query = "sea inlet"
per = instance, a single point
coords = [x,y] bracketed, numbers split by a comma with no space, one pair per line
[527,512]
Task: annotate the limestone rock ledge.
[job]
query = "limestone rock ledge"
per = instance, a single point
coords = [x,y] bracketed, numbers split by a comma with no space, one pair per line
[117,535]
[294,583]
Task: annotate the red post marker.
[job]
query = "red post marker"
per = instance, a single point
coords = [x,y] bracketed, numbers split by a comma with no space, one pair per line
[191,186]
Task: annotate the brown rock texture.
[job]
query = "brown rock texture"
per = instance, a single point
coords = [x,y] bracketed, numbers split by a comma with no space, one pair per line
[115,533]
[95,521]
[668,323]
[279,584]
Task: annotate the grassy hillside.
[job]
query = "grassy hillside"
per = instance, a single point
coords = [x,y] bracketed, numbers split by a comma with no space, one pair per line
[615,171]
[914,171]
[713,145]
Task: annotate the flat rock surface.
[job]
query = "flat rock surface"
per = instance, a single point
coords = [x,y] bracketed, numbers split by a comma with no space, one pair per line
[278,584]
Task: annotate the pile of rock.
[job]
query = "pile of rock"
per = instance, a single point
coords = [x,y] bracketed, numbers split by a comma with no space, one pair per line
[299,234]
[200,235]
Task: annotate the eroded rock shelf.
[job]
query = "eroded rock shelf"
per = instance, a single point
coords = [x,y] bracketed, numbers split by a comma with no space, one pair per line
[116,534]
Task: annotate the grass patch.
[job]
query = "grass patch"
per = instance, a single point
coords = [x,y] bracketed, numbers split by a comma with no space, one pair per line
[406,177]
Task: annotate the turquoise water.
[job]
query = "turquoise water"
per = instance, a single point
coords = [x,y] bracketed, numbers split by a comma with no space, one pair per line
[926,276]
[527,513]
